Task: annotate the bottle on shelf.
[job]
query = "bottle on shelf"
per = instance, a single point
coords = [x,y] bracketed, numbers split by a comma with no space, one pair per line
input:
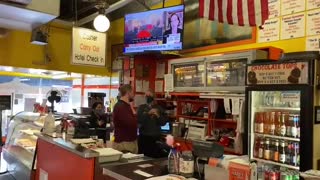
[261,149]
[294,154]
[257,122]
[289,154]
[277,123]
[289,123]
[256,148]
[295,126]
[266,123]
[267,150]
[276,151]
[282,152]
[282,126]
[272,125]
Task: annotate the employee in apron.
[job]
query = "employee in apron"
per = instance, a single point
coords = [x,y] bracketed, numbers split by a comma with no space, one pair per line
[150,119]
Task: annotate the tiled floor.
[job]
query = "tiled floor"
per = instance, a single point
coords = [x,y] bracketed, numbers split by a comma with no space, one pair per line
[6,177]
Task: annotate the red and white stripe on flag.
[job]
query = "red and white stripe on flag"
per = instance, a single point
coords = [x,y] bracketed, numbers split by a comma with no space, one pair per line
[237,12]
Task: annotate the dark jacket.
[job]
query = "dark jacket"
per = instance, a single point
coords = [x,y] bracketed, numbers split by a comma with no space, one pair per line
[168,32]
[150,125]
[94,120]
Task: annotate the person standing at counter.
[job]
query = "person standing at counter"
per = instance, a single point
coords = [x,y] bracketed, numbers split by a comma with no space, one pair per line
[150,118]
[98,120]
[125,123]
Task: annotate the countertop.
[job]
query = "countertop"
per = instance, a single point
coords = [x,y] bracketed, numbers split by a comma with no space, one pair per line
[67,145]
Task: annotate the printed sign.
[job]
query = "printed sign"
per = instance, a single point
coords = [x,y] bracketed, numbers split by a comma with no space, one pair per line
[313,43]
[88,47]
[284,73]
[313,22]
[290,96]
[270,31]
[274,8]
[292,6]
[293,26]
[313,4]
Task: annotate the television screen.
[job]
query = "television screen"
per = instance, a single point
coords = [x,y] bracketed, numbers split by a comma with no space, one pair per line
[155,30]
[166,127]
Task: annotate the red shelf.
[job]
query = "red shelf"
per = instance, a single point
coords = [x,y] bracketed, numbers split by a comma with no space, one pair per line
[193,117]
[194,101]
[224,121]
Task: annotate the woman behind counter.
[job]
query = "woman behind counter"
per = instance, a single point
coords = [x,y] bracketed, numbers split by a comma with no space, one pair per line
[98,119]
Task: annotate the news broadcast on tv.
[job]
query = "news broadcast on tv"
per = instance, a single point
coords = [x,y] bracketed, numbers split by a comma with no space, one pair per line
[155,30]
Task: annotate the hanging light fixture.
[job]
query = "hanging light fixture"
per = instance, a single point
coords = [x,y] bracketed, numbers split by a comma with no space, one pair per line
[101,23]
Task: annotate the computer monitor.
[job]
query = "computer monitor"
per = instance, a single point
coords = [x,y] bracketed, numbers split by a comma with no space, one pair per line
[166,128]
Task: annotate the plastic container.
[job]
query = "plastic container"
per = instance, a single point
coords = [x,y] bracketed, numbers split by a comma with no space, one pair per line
[239,171]
[186,164]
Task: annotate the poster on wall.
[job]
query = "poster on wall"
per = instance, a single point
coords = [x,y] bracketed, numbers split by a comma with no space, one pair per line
[270,31]
[313,4]
[313,22]
[312,43]
[278,73]
[292,6]
[88,47]
[293,26]
[274,8]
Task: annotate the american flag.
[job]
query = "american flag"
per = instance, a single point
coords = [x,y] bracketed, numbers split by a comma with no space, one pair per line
[237,12]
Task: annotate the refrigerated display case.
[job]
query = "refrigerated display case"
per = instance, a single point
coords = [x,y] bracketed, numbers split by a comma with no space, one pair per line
[221,72]
[280,116]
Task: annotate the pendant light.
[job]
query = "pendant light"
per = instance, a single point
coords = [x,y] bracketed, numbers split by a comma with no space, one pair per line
[101,23]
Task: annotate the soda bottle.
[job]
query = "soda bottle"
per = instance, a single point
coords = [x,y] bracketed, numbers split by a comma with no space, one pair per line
[267,150]
[261,122]
[283,124]
[276,151]
[289,154]
[289,123]
[256,122]
[266,123]
[256,148]
[261,149]
[272,126]
[298,154]
[282,153]
[295,125]
[277,123]
[294,154]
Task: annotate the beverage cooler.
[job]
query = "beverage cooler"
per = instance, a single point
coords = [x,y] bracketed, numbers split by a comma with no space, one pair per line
[280,117]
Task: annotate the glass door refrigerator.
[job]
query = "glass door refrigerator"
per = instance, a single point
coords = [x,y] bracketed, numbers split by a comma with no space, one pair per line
[279,102]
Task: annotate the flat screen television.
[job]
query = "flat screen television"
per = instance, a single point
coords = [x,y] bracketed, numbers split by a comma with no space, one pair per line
[154,30]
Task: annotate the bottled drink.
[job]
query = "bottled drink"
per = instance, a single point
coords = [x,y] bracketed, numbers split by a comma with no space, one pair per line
[256,122]
[266,123]
[289,123]
[276,151]
[173,162]
[267,150]
[282,153]
[295,125]
[272,126]
[272,149]
[283,124]
[261,149]
[294,154]
[186,164]
[298,154]
[289,154]
[277,123]
[256,148]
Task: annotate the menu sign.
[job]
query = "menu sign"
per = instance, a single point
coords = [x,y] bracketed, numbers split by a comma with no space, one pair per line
[274,8]
[312,43]
[270,30]
[88,47]
[292,6]
[293,26]
[313,4]
[284,73]
[313,22]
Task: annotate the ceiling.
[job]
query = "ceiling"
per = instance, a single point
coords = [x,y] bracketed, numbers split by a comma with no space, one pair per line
[75,10]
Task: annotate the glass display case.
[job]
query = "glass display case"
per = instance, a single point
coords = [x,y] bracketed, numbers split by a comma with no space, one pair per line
[189,75]
[19,150]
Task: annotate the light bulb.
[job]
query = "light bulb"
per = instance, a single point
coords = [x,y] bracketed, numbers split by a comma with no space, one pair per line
[101,23]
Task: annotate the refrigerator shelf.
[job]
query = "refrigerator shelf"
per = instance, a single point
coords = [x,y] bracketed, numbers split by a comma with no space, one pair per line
[278,108]
[278,137]
[275,163]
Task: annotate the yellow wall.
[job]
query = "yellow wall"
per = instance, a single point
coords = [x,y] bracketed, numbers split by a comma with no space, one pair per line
[16,50]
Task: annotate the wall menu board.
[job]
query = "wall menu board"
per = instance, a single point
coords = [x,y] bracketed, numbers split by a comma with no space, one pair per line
[270,31]
[292,6]
[293,26]
[313,22]
[284,73]
[274,8]
[88,47]
[5,102]
[313,4]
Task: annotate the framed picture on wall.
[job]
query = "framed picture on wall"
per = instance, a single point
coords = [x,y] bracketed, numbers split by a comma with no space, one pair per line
[202,34]
[317,115]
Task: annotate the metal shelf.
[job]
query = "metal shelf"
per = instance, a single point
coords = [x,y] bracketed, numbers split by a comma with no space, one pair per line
[278,137]
[275,163]
[279,108]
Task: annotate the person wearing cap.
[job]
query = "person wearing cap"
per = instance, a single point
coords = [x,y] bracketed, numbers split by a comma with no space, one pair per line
[150,119]
[125,122]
